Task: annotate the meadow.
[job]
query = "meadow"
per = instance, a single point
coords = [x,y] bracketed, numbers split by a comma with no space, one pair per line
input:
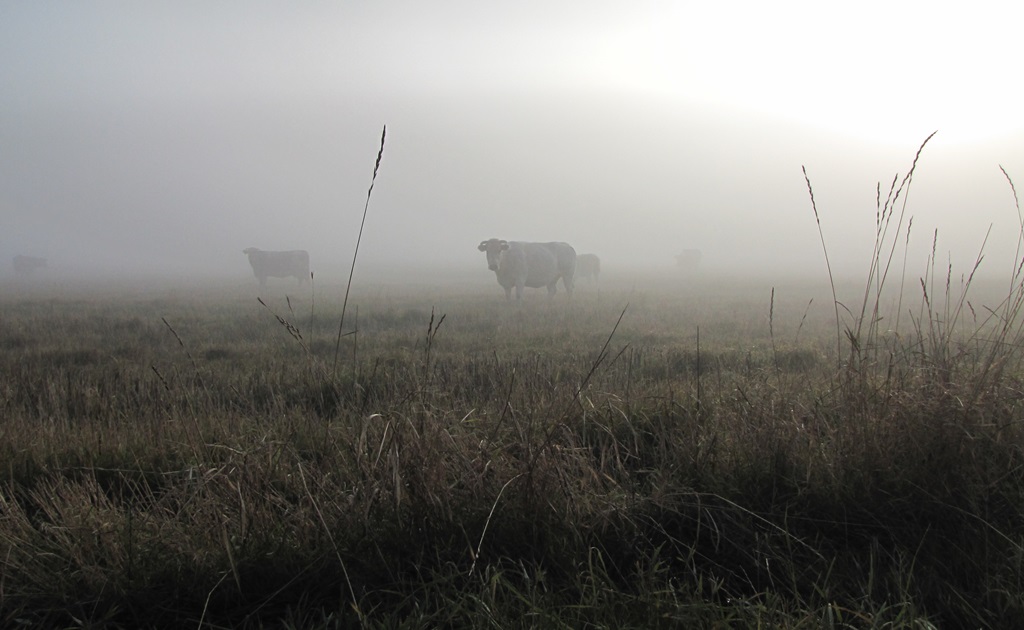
[667,450]
[672,451]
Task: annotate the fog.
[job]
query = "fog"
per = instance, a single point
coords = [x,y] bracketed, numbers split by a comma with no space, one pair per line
[164,138]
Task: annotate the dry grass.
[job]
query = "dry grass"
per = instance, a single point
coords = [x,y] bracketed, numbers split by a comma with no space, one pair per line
[699,457]
[519,467]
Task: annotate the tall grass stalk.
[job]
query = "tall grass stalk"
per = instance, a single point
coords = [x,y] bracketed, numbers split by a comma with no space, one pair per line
[878,271]
[937,340]
[355,253]
[882,256]
[828,267]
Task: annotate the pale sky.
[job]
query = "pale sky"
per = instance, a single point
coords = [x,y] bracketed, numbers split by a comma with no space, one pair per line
[172,135]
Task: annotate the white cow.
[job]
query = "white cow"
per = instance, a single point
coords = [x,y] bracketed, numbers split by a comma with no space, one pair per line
[518,264]
[588,266]
[278,264]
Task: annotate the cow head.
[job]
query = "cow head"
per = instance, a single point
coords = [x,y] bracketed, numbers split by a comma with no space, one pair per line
[493,248]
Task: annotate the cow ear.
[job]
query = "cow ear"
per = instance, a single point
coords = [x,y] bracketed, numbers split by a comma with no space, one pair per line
[483,246]
[504,245]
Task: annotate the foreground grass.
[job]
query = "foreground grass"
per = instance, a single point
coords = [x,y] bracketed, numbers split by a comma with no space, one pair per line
[197,461]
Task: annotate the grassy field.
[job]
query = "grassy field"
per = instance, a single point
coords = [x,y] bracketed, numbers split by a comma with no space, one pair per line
[668,452]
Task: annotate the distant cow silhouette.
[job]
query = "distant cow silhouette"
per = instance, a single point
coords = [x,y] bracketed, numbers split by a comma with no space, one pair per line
[517,264]
[689,260]
[266,264]
[588,266]
[25,265]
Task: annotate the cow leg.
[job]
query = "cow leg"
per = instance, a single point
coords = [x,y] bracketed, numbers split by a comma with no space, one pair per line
[519,292]
[553,288]
[508,293]
[567,281]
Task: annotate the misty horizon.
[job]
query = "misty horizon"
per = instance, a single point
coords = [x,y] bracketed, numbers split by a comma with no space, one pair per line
[149,141]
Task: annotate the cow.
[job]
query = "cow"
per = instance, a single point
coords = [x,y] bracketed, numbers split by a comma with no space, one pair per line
[278,264]
[25,265]
[518,264]
[689,260]
[588,266]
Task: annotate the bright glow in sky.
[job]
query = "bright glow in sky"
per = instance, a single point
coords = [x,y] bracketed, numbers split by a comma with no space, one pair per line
[677,124]
[886,72]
